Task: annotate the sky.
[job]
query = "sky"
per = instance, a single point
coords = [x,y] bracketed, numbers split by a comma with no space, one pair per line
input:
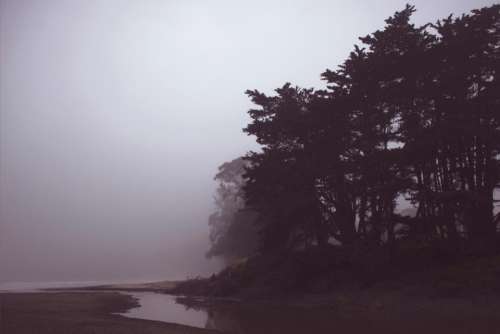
[114,115]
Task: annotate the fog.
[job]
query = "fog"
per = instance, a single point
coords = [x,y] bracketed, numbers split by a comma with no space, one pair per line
[115,114]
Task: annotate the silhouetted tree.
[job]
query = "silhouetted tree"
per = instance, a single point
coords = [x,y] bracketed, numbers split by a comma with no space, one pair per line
[413,112]
[281,179]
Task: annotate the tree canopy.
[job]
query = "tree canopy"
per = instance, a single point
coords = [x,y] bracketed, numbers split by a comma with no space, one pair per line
[413,113]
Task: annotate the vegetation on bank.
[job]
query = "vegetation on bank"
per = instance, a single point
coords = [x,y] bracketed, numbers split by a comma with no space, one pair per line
[411,118]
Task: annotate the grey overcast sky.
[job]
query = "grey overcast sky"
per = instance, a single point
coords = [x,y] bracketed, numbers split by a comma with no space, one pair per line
[116,113]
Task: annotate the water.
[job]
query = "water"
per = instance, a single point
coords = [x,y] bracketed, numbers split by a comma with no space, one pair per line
[162,307]
[235,317]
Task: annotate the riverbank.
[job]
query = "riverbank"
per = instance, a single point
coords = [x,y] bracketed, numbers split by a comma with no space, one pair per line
[377,310]
[424,272]
[292,297]
[77,313]
[349,312]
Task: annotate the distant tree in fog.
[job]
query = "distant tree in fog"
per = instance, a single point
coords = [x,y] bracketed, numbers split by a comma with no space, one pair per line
[232,226]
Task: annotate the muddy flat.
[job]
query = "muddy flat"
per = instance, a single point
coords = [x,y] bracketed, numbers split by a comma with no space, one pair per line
[77,313]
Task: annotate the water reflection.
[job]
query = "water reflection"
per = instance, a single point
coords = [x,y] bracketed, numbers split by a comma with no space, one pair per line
[251,319]
[162,307]
[238,318]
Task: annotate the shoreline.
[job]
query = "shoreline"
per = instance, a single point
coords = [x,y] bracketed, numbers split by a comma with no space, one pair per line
[381,309]
[464,295]
[78,312]
[159,287]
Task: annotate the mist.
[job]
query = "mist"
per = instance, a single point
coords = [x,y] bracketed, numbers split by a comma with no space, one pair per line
[114,116]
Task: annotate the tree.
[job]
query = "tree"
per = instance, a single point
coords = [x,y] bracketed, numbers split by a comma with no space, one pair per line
[413,112]
[232,227]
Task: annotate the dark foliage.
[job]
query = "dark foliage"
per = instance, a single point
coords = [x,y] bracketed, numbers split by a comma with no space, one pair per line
[412,113]
[412,116]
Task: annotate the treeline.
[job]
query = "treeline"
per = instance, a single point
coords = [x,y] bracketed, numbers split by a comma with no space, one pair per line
[412,116]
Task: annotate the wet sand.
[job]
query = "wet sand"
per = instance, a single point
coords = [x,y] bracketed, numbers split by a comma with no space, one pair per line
[77,313]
